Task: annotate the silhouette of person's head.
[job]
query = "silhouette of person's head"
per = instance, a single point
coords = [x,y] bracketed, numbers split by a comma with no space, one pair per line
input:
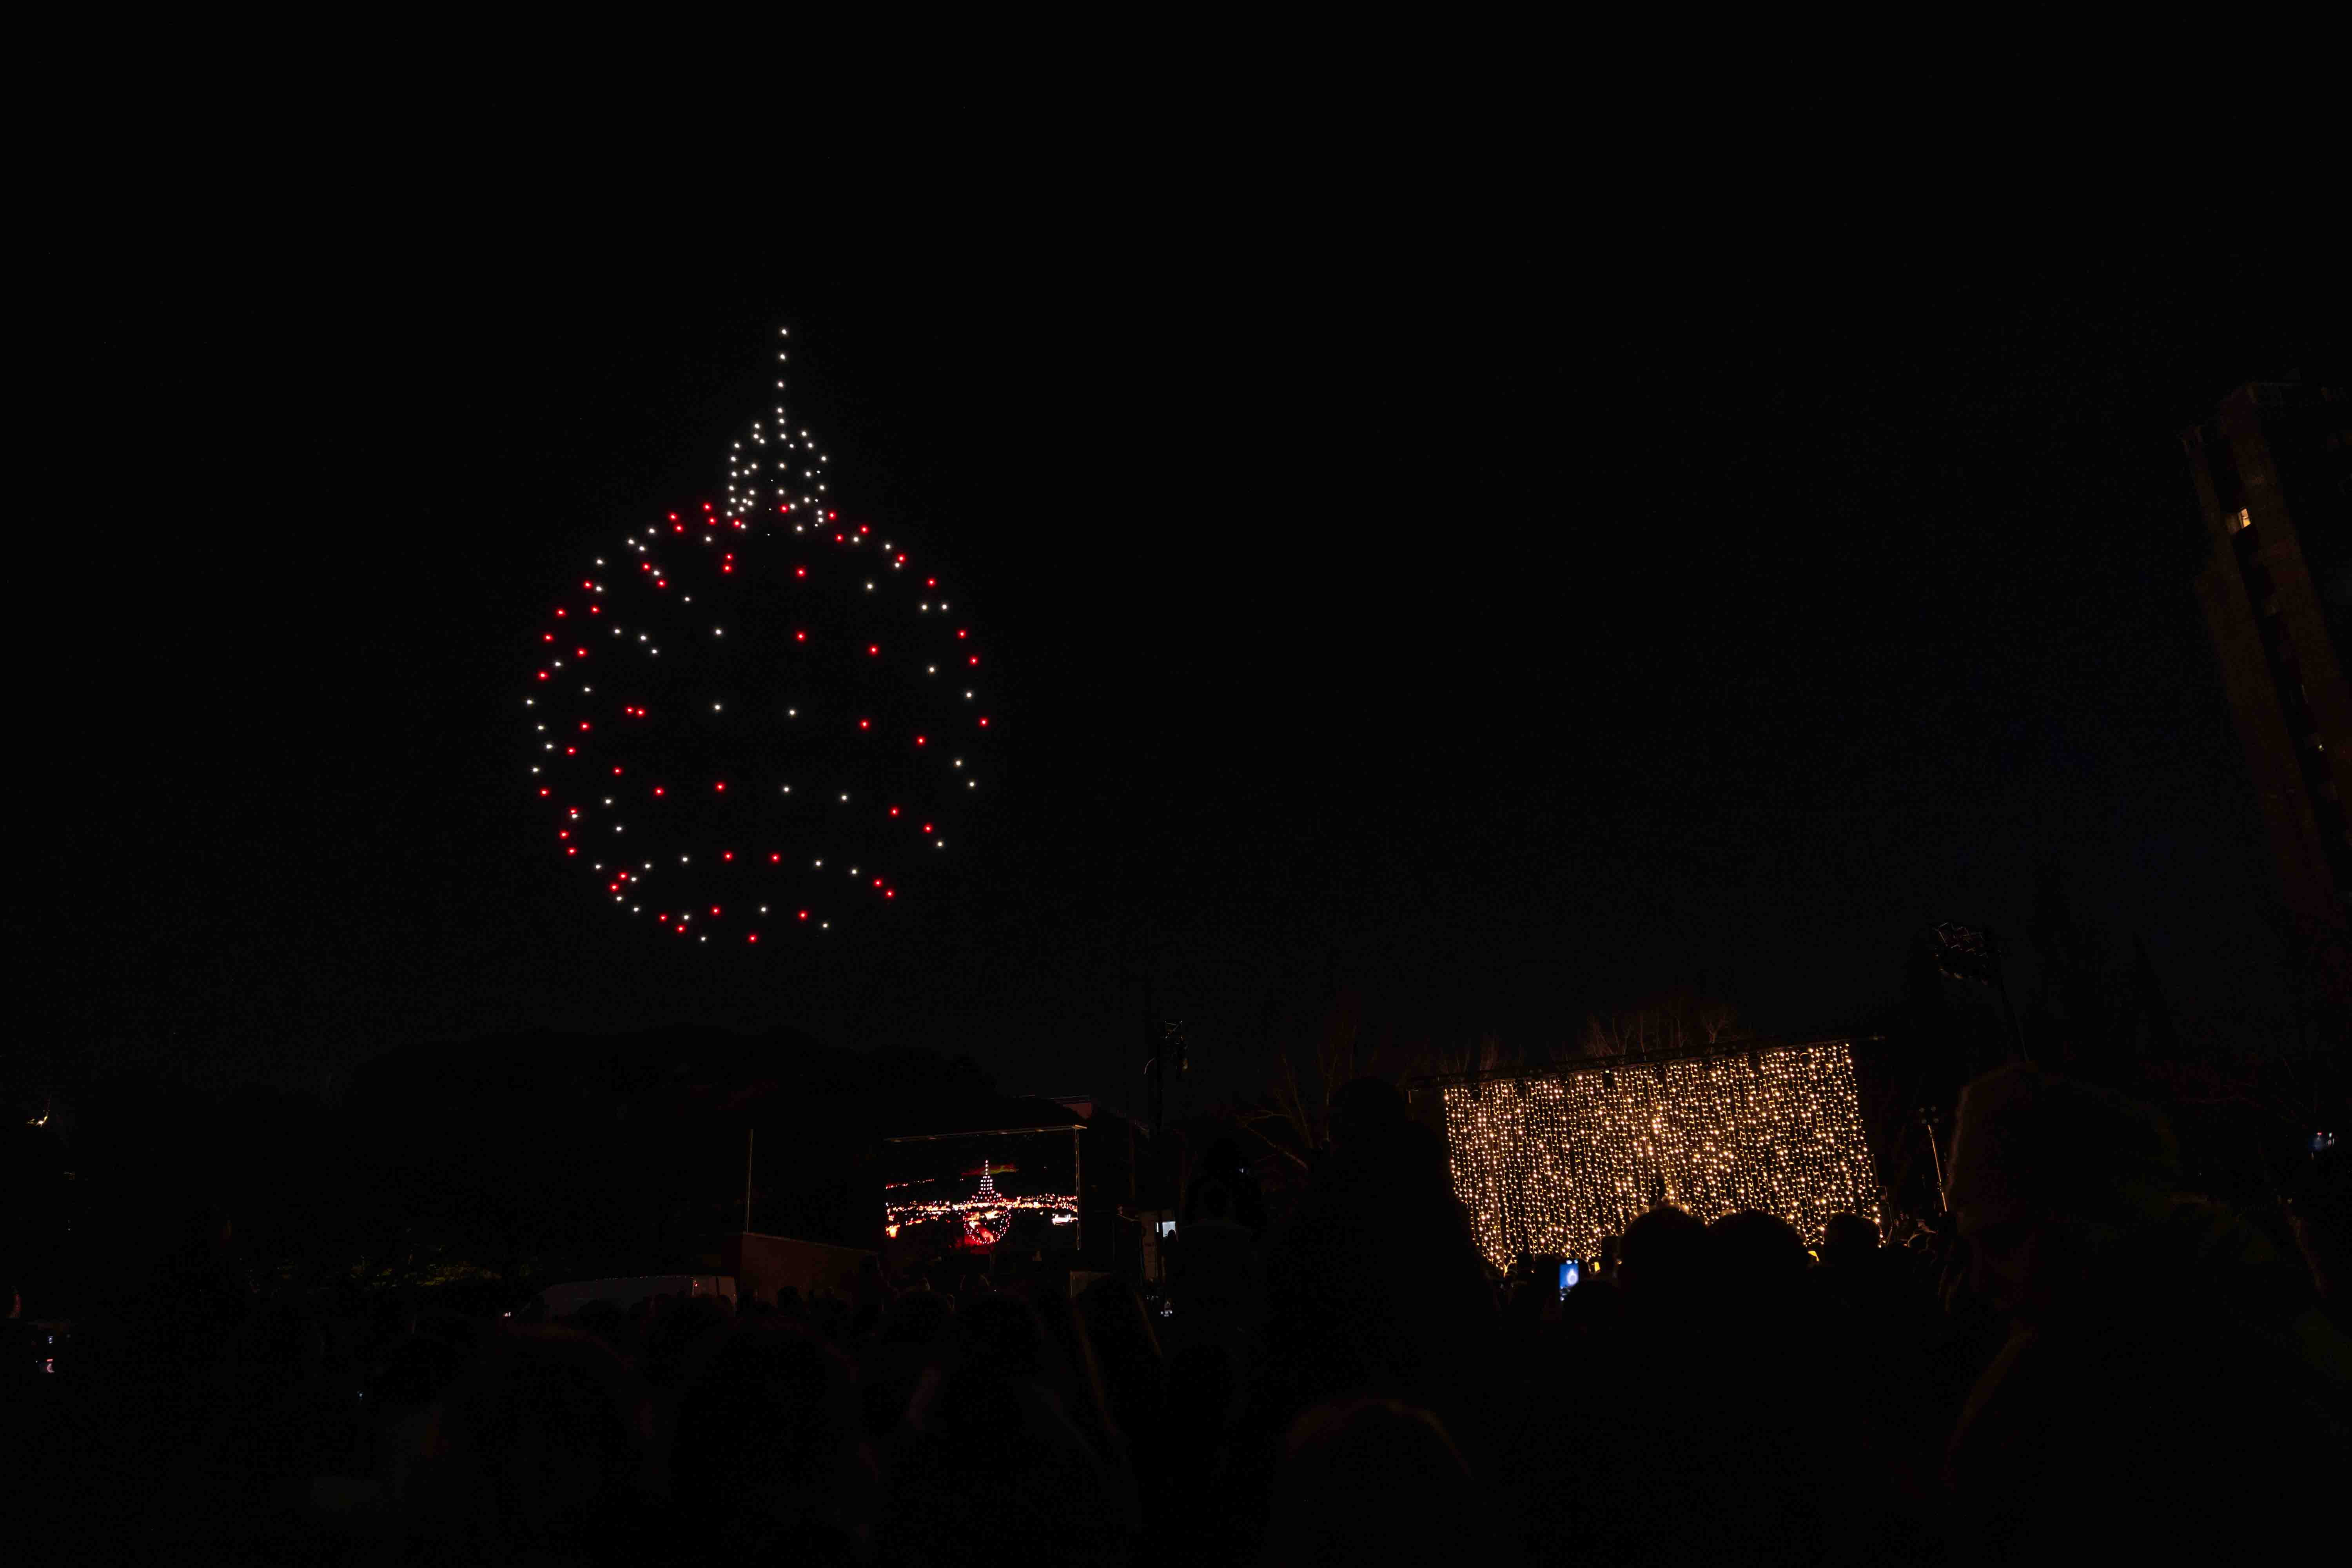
[1848,1239]
[1370,1480]
[768,1440]
[2043,1169]
[544,1438]
[1662,1261]
[1756,1256]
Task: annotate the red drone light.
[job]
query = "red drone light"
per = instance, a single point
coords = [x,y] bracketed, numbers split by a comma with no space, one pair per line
[721,785]
[873,648]
[865,723]
[729,855]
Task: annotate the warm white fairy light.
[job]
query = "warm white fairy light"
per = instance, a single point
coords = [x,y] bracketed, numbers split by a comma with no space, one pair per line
[1553,1163]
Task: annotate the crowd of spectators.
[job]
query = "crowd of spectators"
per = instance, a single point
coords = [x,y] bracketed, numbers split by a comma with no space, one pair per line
[2078,1357]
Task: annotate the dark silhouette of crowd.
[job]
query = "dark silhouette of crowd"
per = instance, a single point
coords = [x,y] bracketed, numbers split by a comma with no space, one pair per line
[2078,1358]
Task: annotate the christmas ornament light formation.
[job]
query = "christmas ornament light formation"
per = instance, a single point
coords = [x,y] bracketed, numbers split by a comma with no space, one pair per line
[984,1218]
[1551,1164]
[749,723]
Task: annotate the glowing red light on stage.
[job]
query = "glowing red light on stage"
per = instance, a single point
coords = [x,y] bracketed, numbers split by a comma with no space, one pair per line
[753,937]
[721,785]
[804,914]
[983,721]
[800,571]
[865,723]
[918,740]
[657,789]
[873,648]
[800,637]
[729,855]
[558,612]
[774,859]
[894,811]
[542,792]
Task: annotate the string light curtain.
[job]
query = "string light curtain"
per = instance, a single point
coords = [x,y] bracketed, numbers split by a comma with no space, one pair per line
[1552,1164]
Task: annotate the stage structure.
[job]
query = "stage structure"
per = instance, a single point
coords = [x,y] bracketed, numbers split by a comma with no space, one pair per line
[1551,1160]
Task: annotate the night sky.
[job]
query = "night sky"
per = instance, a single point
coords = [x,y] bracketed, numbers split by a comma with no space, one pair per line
[1492,628]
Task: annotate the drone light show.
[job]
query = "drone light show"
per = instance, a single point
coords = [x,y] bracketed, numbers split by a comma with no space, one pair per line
[972,1192]
[751,722]
[1551,1162]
